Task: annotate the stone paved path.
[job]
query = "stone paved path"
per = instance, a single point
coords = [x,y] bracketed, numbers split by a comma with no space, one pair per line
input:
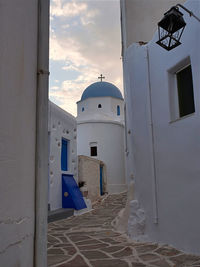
[89,241]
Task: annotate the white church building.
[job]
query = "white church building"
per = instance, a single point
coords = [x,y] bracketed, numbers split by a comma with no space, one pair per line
[100,131]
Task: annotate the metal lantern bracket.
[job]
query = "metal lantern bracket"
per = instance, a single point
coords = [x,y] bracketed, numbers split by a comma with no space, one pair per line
[188,11]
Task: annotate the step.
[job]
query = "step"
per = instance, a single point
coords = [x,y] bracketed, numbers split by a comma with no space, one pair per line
[59,214]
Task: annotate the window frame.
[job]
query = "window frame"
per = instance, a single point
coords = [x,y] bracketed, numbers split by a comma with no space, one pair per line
[173,100]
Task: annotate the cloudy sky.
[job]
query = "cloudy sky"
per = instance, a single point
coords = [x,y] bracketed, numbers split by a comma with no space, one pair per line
[85,41]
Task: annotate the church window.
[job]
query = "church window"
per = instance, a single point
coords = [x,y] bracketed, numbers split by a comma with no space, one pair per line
[93,151]
[118,110]
[185,91]
[99,106]
[64,155]
[83,109]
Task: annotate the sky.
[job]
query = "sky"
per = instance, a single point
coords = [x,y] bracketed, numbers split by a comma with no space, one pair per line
[85,41]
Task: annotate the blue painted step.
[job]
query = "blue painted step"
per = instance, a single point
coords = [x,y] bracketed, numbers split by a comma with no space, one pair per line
[71,194]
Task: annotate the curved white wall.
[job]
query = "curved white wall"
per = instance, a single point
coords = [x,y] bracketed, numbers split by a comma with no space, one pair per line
[110,149]
[61,125]
[108,110]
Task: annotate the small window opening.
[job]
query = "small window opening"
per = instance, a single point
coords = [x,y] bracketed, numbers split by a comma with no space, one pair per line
[185,91]
[99,106]
[93,151]
[118,110]
[83,109]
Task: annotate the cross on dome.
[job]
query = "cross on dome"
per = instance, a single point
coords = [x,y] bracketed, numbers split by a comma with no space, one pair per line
[101,77]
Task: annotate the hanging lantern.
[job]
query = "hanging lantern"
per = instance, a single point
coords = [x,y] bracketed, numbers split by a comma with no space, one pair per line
[170,29]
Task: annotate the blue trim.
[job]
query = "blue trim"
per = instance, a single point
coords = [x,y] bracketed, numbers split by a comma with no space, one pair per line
[118,110]
[64,155]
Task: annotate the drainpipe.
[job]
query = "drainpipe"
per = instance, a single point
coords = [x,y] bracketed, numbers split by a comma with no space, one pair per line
[123,26]
[41,161]
[126,129]
[154,185]
[123,47]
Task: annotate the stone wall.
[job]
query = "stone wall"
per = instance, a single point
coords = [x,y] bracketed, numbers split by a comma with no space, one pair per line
[89,172]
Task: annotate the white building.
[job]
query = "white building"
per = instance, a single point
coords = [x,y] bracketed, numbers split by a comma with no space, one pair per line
[24,132]
[62,152]
[162,92]
[100,130]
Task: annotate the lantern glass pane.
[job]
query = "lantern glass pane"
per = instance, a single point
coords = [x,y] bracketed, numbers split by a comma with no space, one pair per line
[163,33]
[176,35]
[168,40]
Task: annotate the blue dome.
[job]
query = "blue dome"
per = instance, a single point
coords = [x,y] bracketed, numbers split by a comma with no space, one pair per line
[101,89]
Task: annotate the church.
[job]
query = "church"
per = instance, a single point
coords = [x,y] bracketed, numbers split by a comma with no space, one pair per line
[100,130]
[89,148]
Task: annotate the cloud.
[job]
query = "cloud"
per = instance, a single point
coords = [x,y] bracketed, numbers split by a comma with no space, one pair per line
[60,8]
[70,67]
[71,90]
[54,88]
[65,26]
[85,38]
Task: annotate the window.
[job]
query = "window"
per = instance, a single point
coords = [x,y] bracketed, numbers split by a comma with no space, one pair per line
[185,91]
[83,109]
[64,155]
[118,110]
[99,106]
[93,151]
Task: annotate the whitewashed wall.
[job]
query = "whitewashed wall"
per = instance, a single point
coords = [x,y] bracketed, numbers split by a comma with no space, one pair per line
[61,125]
[176,142]
[18,73]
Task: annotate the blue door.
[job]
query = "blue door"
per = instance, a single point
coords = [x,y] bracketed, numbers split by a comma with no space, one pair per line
[101,180]
[71,194]
[64,155]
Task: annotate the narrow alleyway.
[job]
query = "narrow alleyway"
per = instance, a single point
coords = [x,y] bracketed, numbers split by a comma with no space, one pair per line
[89,241]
